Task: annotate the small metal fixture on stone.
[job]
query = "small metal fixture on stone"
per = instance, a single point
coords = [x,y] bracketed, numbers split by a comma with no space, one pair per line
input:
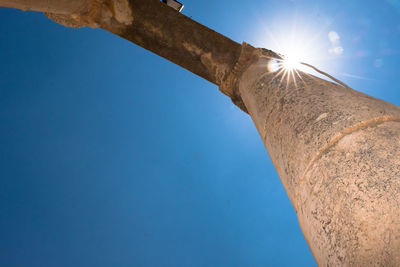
[174,4]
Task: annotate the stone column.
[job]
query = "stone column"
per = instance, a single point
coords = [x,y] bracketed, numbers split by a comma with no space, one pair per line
[337,153]
[336,150]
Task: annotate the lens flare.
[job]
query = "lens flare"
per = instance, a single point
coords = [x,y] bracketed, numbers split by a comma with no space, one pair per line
[297,40]
[274,65]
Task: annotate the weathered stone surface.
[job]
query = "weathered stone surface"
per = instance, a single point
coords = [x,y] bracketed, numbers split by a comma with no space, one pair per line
[78,13]
[350,199]
[65,7]
[154,26]
[95,13]
[337,152]
[168,33]
[230,84]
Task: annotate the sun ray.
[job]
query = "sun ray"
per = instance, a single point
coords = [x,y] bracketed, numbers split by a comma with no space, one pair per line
[294,78]
[301,78]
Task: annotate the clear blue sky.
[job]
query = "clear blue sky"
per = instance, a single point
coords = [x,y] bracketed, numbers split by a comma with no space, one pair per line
[112,156]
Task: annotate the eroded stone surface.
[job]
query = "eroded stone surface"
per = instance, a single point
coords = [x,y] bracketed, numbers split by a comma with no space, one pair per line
[351,200]
[336,151]
[95,13]
[288,117]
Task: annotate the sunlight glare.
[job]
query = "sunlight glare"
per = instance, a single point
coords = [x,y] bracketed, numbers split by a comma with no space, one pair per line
[296,40]
[291,63]
[293,55]
[274,65]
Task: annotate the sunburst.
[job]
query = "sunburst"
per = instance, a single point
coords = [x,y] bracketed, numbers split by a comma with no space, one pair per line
[286,68]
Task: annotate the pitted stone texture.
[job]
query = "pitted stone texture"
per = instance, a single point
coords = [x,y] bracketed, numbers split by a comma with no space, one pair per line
[230,83]
[96,13]
[351,200]
[336,151]
[298,120]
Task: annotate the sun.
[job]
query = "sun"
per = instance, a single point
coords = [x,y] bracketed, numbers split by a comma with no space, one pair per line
[297,41]
[291,63]
[294,52]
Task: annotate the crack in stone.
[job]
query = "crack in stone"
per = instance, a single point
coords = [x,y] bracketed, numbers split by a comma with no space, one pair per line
[349,130]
